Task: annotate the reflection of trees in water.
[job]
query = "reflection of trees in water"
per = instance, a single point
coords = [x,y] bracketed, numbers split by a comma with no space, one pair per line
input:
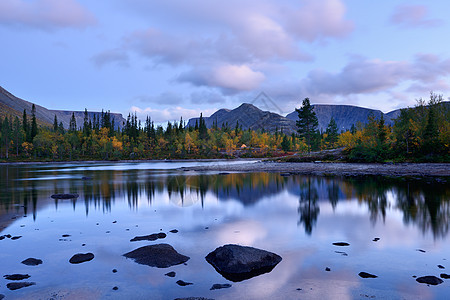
[308,209]
[425,205]
[373,191]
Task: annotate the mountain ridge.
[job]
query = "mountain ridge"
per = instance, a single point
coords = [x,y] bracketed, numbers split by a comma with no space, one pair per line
[14,106]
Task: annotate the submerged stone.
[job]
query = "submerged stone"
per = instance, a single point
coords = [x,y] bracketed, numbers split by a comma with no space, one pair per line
[193,298]
[237,263]
[81,257]
[159,255]
[16,276]
[18,285]
[183,283]
[65,196]
[445,276]
[218,286]
[151,237]
[433,280]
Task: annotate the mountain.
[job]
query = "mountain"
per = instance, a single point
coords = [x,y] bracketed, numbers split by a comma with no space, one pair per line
[11,105]
[248,116]
[344,115]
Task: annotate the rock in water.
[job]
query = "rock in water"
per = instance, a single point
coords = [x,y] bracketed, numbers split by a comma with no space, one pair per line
[433,280]
[218,286]
[367,275]
[159,255]
[32,261]
[17,276]
[193,298]
[65,196]
[342,244]
[183,283]
[445,276]
[81,257]
[18,285]
[151,237]
[2,296]
[171,274]
[237,263]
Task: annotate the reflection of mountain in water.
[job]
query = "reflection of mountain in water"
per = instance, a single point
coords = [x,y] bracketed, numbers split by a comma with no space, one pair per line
[23,191]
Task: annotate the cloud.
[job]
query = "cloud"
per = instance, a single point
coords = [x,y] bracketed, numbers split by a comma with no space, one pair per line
[230,78]
[319,19]
[45,14]
[412,16]
[362,76]
[173,113]
[165,98]
[220,43]
[117,56]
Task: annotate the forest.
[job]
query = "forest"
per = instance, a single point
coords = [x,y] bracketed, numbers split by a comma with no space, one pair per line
[419,134]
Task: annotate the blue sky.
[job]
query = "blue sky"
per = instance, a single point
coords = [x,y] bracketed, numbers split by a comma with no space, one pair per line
[173,58]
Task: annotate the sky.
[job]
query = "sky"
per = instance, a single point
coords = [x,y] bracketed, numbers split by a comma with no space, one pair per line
[168,59]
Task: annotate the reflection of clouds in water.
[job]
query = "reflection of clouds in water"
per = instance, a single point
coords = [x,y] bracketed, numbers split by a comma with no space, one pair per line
[241,232]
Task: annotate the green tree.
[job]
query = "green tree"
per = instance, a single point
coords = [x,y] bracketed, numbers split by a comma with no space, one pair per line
[285,144]
[332,133]
[55,124]
[307,123]
[73,123]
[26,127]
[34,129]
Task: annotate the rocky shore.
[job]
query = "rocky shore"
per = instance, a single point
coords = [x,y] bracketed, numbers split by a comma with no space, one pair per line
[338,169]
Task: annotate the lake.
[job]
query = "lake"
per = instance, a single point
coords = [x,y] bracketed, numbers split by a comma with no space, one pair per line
[397,229]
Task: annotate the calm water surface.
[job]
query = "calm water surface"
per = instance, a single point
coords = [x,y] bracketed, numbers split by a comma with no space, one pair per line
[297,217]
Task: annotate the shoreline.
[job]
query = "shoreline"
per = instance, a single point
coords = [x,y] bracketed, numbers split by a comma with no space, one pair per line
[301,168]
[336,169]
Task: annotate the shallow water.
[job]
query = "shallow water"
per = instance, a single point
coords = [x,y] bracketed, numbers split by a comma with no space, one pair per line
[297,217]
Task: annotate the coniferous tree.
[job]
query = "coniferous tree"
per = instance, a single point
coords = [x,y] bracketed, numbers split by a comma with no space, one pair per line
[86,126]
[17,134]
[332,133]
[6,136]
[34,129]
[285,144]
[61,128]
[26,127]
[307,123]
[73,123]
[55,124]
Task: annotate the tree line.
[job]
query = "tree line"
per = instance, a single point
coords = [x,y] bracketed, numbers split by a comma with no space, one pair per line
[421,133]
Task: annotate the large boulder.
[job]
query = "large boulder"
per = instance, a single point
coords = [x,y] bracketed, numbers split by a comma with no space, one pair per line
[237,263]
[160,256]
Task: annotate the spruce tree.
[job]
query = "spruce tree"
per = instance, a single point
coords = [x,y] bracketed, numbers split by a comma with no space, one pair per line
[307,123]
[26,127]
[332,133]
[34,129]
[73,123]
[86,126]
[55,124]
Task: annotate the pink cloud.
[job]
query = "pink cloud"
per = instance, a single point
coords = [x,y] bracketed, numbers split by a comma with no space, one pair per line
[319,19]
[364,76]
[229,78]
[45,14]
[413,16]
